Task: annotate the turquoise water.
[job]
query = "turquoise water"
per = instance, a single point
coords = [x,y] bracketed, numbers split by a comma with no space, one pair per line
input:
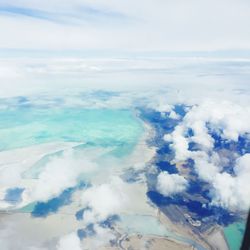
[143,224]
[115,130]
[234,235]
[20,127]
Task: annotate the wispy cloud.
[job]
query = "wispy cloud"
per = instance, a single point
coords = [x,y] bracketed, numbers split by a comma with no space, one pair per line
[129,25]
[14,10]
[83,12]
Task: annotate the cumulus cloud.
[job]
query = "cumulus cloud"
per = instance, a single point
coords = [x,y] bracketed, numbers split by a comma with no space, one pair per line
[205,166]
[233,192]
[10,229]
[159,103]
[102,237]
[104,200]
[174,115]
[228,120]
[58,174]
[14,169]
[179,143]
[69,241]
[170,184]
[224,118]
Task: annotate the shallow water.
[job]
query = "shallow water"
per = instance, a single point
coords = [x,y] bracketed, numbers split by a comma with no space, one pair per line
[142,224]
[234,235]
[20,127]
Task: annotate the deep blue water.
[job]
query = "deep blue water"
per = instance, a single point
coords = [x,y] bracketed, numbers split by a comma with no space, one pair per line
[167,166]
[197,189]
[199,211]
[43,209]
[14,195]
[109,222]
[80,213]
[88,231]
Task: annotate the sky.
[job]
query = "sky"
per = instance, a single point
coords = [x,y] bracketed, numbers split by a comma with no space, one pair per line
[123,45]
[142,25]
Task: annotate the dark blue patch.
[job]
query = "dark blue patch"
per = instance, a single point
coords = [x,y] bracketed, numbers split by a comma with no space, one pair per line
[200,211]
[242,146]
[159,199]
[198,208]
[79,214]
[43,209]
[14,195]
[192,146]
[109,222]
[166,166]
[190,132]
[88,231]
[164,149]
[190,165]
[81,234]
[131,175]
[180,109]
[199,187]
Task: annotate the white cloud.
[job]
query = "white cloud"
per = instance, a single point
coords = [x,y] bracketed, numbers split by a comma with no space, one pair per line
[58,174]
[229,120]
[105,200]
[225,118]
[174,115]
[141,25]
[232,119]
[10,229]
[233,192]
[205,169]
[159,103]
[243,165]
[102,237]
[170,184]
[170,80]
[179,143]
[70,241]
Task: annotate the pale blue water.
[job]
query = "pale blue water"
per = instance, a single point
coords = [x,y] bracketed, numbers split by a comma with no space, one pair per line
[118,130]
[26,126]
[143,224]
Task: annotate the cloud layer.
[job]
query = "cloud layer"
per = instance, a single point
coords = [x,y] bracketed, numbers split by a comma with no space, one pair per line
[144,25]
[70,241]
